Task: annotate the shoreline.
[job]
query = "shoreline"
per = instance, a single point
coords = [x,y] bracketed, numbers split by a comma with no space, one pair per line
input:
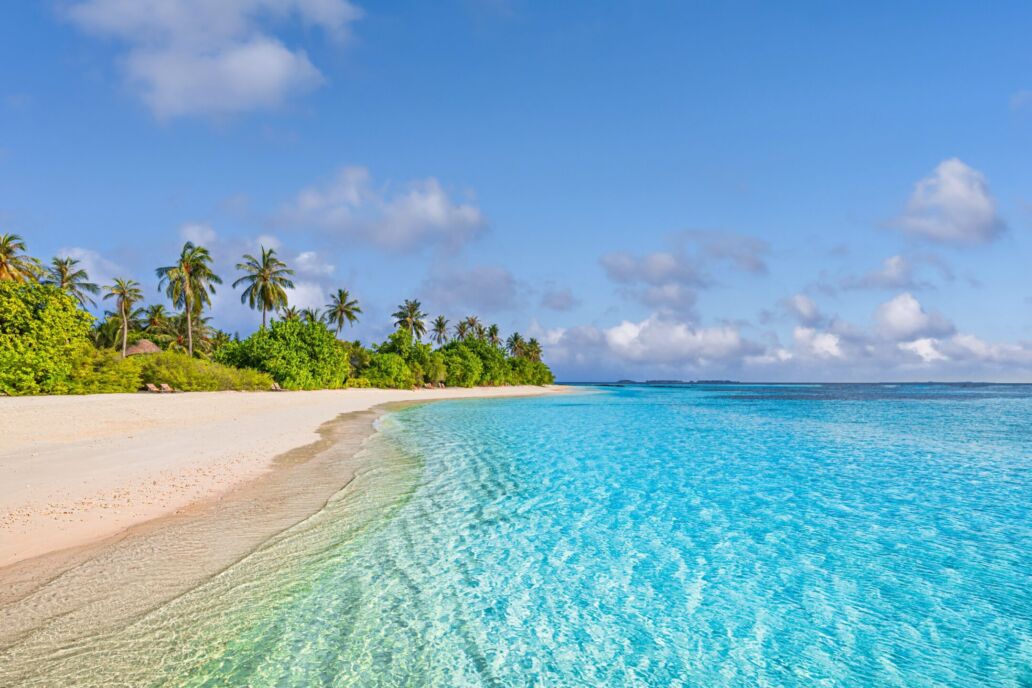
[108,463]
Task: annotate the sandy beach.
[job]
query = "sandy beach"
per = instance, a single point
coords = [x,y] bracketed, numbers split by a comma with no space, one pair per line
[78,470]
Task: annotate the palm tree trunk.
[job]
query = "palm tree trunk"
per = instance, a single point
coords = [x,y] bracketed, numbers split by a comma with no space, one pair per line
[125,330]
[263,316]
[189,328]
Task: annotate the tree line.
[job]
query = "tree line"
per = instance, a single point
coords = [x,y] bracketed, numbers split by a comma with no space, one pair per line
[265,280]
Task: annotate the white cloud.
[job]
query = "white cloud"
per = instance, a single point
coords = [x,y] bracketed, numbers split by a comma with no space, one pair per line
[420,214]
[925,348]
[199,233]
[307,295]
[952,205]
[812,342]
[188,57]
[904,319]
[895,272]
[310,263]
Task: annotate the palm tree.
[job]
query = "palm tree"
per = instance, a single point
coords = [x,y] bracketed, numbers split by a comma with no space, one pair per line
[440,330]
[533,351]
[63,274]
[341,309]
[493,337]
[310,315]
[516,345]
[156,319]
[267,279]
[15,266]
[409,316]
[290,313]
[461,329]
[474,327]
[188,284]
[126,293]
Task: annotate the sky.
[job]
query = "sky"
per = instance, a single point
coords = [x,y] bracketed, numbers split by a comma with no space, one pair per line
[676,190]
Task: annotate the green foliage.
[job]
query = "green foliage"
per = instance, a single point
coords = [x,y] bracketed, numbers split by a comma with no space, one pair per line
[298,355]
[105,372]
[463,366]
[44,337]
[183,372]
[388,370]
[527,372]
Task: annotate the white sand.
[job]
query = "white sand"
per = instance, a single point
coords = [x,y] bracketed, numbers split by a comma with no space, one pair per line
[75,470]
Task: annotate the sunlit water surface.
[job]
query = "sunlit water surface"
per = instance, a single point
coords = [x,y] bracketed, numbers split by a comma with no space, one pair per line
[692,536]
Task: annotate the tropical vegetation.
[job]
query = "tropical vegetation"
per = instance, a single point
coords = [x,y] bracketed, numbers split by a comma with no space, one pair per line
[51,344]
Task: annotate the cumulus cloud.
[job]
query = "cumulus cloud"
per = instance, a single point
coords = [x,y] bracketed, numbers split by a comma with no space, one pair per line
[483,289]
[189,57]
[310,263]
[896,272]
[812,342]
[421,213]
[904,319]
[559,299]
[952,205]
[307,294]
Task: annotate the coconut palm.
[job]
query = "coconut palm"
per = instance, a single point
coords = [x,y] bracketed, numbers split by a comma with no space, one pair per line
[126,293]
[189,284]
[156,319]
[15,266]
[290,313]
[533,350]
[461,329]
[439,331]
[341,309]
[493,338]
[64,274]
[310,315]
[182,328]
[474,327]
[409,316]
[267,279]
[516,345]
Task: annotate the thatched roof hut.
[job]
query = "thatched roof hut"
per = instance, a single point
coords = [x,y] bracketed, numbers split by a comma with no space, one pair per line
[144,346]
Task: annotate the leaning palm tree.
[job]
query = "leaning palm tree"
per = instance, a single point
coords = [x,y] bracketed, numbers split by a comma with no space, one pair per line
[15,266]
[64,274]
[516,346]
[126,293]
[341,309]
[290,314]
[267,279]
[410,316]
[310,315]
[439,332]
[189,284]
[493,338]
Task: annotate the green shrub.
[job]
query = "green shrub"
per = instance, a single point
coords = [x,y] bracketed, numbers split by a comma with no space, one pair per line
[44,337]
[298,355]
[106,372]
[389,370]
[181,372]
[527,372]
[463,367]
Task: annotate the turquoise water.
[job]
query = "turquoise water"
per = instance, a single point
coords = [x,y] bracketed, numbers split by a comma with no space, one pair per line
[693,536]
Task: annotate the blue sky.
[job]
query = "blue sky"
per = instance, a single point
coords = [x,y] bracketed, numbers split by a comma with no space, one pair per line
[764,191]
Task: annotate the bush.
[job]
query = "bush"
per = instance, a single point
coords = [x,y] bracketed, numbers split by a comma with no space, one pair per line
[463,367]
[44,337]
[106,372]
[527,372]
[181,372]
[298,355]
[388,370]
